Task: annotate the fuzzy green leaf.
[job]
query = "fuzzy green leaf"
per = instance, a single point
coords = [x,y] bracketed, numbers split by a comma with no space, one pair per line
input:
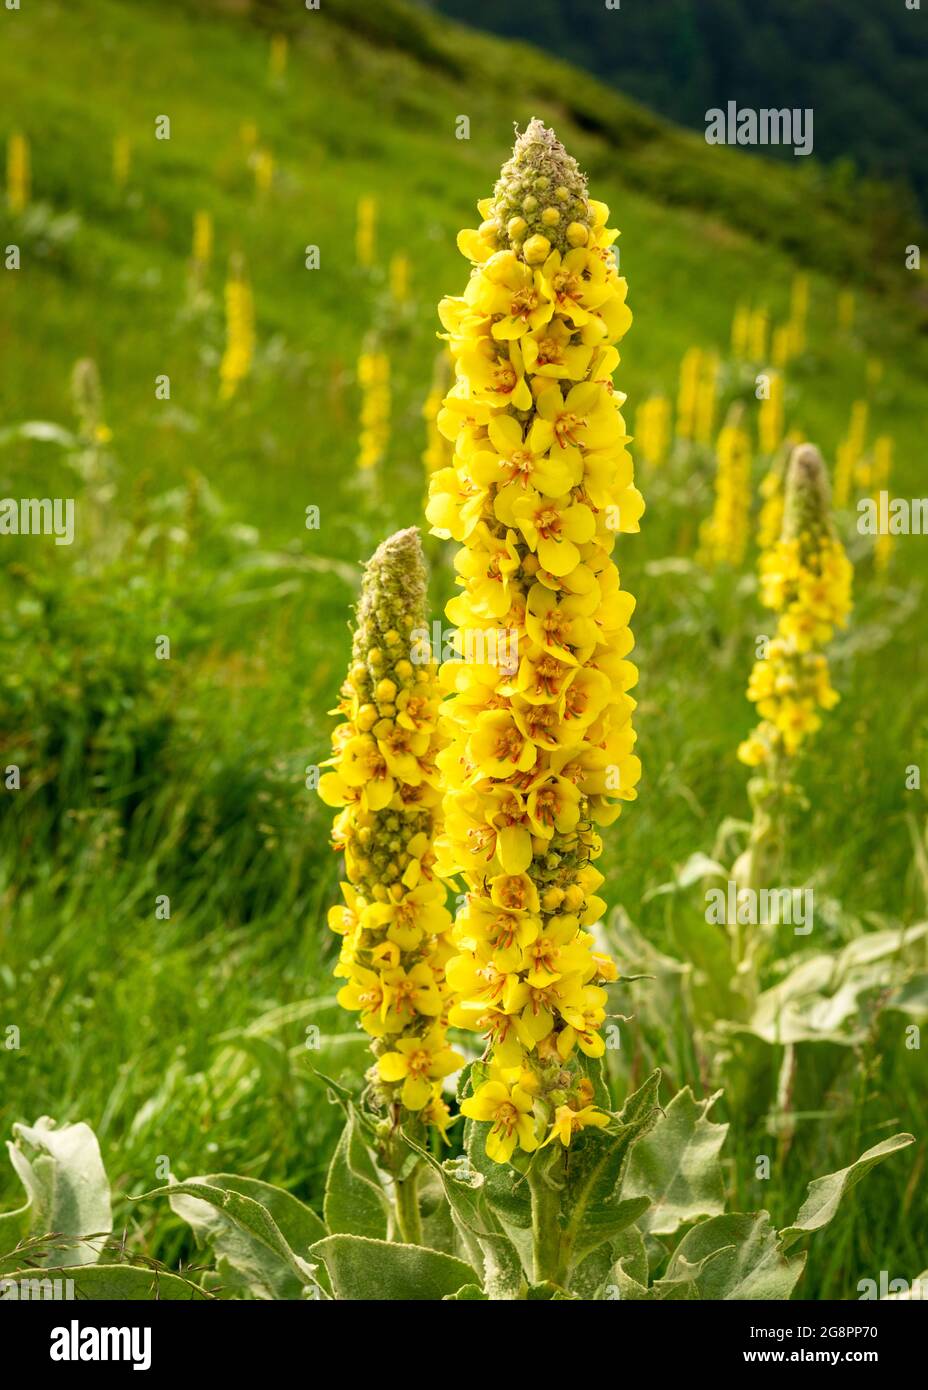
[249,1217]
[355,1202]
[732,1257]
[825,1194]
[487,1246]
[677,1166]
[66,1183]
[245,1263]
[362,1269]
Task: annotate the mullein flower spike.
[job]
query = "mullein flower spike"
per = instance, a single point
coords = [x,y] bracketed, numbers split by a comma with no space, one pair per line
[240,331]
[18,172]
[385,784]
[539,715]
[806,579]
[724,535]
[374,381]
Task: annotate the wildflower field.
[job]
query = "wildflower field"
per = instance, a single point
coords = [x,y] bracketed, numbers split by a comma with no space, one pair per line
[316,904]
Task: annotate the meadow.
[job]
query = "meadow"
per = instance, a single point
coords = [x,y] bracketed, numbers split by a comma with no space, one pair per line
[182,1032]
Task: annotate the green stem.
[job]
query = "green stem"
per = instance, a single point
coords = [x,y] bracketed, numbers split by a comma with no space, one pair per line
[548,1253]
[408,1218]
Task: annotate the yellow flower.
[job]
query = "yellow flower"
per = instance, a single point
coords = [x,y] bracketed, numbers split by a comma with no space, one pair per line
[417,1062]
[508,1110]
[569,1122]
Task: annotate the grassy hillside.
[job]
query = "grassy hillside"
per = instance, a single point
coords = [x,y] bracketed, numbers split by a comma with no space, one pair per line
[185,778]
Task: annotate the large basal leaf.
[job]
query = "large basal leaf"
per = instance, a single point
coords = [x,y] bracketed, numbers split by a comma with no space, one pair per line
[244,1262]
[485,1243]
[825,1194]
[363,1270]
[677,1166]
[823,998]
[355,1202]
[125,1283]
[67,1189]
[249,1217]
[732,1257]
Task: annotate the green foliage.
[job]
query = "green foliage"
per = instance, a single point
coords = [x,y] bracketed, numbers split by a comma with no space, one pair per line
[188,1036]
[248,1239]
[676,1166]
[68,1194]
[589,1243]
[365,1269]
[250,1256]
[125,1283]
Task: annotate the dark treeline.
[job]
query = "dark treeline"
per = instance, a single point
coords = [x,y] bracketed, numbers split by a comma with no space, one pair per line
[861,65]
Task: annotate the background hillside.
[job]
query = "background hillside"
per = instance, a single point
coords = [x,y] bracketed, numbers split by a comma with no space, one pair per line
[187,778]
[858,63]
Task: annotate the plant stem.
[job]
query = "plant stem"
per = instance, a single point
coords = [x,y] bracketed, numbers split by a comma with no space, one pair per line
[548,1255]
[408,1218]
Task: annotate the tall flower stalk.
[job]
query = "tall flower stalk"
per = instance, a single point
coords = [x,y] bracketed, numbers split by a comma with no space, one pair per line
[541,742]
[374,381]
[652,430]
[724,534]
[18,172]
[806,580]
[393,920]
[240,330]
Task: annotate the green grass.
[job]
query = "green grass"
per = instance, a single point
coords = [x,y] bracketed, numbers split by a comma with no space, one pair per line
[185,777]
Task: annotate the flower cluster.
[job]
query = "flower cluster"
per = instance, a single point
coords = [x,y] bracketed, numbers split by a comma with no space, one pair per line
[374,380]
[697,394]
[438,451]
[202,249]
[806,579]
[652,430]
[240,331]
[724,535]
[850,453]
[365,233]
[539,715]
[385,782]
[770,416]
[18,175]
[688,391]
